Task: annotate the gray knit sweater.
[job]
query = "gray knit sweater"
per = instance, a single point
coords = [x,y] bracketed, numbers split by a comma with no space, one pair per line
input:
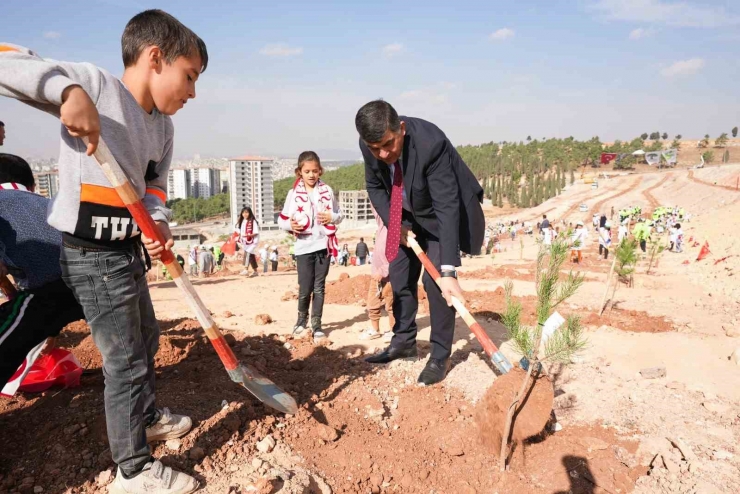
[87,207]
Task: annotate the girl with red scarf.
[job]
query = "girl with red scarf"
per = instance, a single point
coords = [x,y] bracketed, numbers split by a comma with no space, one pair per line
[248,231]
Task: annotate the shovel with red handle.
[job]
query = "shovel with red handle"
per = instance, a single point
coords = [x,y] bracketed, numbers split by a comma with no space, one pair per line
[497,358]
[262,388]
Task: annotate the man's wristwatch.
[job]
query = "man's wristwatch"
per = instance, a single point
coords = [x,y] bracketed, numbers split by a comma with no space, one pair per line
[449,274]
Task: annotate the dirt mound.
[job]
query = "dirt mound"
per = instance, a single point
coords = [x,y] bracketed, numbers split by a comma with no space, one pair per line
[629,320]
[348,291]
[262,319]
[530,420]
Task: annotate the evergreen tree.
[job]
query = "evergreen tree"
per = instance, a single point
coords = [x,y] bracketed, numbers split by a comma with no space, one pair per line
[572,177]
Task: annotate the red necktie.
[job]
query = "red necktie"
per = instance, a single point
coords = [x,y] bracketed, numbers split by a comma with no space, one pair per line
[394,217]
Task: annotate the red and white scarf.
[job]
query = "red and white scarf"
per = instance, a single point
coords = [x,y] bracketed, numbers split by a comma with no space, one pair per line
[13,186]
[302,204]
[247,232]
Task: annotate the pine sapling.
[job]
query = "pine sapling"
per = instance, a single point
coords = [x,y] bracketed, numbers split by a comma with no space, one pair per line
[562,344]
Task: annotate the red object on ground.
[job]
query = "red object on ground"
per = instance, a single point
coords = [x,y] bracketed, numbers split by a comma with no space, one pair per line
[57,367]
[720,260]
[353,261]
[685,262]
[704,252]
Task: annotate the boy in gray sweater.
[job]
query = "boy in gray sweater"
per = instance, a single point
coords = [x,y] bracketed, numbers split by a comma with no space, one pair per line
[102,258]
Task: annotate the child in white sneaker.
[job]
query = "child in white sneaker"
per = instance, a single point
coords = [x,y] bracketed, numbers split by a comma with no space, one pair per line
[102,259]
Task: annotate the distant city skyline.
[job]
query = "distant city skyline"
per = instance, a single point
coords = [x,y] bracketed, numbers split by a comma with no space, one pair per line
[288,76]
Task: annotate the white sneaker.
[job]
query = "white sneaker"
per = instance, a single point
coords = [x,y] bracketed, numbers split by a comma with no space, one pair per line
[169,426]
[387,337]
[155,478]
[244,272]
[318,335]
[369,334]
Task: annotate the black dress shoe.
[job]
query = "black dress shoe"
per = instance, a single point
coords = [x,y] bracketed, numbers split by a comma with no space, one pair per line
[435,370]
[392,353]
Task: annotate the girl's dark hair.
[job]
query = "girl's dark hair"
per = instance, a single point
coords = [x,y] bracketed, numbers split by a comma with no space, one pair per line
[308,156]
[241,218]
[158,28]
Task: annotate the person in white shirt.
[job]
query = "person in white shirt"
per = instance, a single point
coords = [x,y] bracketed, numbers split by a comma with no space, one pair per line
[274,259]
[605,239]
[248,230]
[577,239]
[623,230]
[311,213]
[264,256]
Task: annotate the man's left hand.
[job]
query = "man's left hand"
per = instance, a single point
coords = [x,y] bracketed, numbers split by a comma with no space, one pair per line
[153,246]
[451,288]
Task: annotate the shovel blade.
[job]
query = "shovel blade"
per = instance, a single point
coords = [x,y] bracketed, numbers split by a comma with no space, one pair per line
[263,389]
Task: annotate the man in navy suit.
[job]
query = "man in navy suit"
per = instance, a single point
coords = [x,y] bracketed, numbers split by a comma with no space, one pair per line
[438,202]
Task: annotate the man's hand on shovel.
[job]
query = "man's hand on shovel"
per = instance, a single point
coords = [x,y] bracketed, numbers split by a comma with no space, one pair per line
[451,288]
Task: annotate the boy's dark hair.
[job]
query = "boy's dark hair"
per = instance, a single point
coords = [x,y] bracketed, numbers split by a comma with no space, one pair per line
[2,124]
[15,169]
[158,28]
[374,119]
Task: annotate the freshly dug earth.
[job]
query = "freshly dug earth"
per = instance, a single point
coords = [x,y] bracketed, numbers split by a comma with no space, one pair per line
[360,428]
[630,320]
[532,414]
[348,290]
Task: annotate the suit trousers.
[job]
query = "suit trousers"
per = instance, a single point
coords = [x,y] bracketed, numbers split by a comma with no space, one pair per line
[404,276]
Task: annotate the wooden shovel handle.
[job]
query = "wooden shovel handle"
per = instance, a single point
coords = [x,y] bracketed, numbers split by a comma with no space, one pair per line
[130,198]
[488,346]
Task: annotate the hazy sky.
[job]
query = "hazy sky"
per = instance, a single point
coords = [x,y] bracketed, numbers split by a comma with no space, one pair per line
[289,76]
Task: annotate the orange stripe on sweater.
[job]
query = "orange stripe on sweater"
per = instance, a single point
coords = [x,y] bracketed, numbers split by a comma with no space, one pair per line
[98,194]
[157,193]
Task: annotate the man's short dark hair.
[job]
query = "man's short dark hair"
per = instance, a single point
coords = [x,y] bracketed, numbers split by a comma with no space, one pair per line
[2,124]
[158,28]
[362,239]
[15,169]
[374,119]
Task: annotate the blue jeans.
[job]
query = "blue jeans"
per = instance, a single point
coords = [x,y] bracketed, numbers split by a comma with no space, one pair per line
[111,287]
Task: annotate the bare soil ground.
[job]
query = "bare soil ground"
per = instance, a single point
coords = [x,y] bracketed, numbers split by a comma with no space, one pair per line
[364,428]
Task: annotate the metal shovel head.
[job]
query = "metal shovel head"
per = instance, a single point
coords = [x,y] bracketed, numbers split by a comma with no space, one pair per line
[263,389]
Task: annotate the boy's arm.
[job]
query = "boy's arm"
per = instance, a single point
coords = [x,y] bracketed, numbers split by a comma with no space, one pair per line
[156,181]
[156,196]
[50,86]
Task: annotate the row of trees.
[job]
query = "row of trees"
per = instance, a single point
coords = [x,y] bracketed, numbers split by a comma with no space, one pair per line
[523,173]
[196,208]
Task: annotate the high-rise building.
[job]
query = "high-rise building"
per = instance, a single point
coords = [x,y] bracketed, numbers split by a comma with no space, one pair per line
[205,182]
[250,184]
[47,184]
[355,206]
[178,184]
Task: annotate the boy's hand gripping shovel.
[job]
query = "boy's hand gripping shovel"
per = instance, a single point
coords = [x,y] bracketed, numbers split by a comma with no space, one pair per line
[262,388]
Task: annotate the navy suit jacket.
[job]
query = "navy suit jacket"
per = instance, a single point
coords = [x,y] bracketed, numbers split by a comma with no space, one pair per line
[444,195]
